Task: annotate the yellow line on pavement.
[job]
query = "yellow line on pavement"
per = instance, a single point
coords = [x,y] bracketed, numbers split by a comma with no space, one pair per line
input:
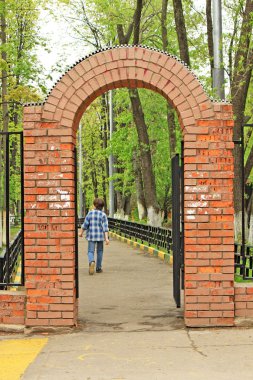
[17,354]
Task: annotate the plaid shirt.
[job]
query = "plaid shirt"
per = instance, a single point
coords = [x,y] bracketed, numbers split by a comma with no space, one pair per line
[95,224]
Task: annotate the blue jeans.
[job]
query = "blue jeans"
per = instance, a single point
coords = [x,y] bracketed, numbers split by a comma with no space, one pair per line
[91,252]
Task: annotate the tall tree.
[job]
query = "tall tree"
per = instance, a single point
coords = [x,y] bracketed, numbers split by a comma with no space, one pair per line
[170,110]
[242,71]
[181,31]
[153,211]
[209,27]
[5,120]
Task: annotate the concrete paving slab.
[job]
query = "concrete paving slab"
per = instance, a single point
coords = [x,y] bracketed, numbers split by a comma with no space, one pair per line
[134,293]
[142,355]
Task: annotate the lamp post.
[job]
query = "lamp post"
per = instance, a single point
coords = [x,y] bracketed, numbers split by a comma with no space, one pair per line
[218,71]
[111,185]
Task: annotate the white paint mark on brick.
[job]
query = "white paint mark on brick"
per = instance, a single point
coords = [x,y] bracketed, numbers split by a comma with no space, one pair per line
[65,197]
[190,217]
[198,204]
[190,211]
[60,191]
[59,205]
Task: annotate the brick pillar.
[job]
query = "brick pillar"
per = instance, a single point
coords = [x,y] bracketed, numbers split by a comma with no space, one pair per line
[49,221]
[209,229]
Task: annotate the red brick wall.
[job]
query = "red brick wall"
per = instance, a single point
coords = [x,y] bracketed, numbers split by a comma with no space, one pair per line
[49,222]
[12,310]
[49,184]
[244,300]
[209,235]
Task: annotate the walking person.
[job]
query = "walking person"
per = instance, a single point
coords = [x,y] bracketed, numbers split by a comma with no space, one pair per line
[96,226]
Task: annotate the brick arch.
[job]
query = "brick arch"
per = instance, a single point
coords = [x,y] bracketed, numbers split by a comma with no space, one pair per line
[50,133]
[132,67]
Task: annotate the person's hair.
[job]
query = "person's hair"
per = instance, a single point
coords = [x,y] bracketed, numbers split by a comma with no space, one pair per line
[98,203]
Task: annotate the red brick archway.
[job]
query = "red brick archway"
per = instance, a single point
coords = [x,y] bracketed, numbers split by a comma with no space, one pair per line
[50,134]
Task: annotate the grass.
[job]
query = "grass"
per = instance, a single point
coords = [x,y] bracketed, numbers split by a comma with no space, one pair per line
[240,279]
[14,231]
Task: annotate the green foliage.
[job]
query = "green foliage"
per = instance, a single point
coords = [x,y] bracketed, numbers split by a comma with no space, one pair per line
[93,154]
[124,142]
[20,67]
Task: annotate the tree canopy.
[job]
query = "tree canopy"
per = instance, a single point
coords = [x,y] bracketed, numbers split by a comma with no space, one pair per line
[146,129]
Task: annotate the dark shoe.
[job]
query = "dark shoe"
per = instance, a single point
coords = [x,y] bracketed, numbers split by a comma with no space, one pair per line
[99,270]
[92,268]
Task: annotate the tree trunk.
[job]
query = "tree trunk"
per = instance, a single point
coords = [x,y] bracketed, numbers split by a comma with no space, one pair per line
[239,91]
[154,215]
[127,206]
[166,203]
[172,130]
[164,24]
[141,204]
[170,110]
[84,203]
[209,27]
[105,130]
[104,144]
[104,193]
[94,183]
[250,237]
[137,21]
[123,208]
[120,212]
[181,31]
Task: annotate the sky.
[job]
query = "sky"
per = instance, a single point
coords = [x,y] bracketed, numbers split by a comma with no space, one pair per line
[63,48]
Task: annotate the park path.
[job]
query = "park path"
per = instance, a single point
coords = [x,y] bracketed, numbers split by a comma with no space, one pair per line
[134,292]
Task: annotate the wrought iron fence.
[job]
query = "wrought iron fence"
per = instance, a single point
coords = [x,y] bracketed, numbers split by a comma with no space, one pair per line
[9,261]
[156,236]
[244,261]
[12,204]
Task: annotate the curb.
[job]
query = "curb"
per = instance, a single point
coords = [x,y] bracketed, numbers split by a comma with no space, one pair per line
[12,328]
[166,257]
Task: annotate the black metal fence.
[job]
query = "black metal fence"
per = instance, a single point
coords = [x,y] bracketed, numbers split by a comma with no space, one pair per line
[9,265]
[152,236]
[244,261]
[12,205]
